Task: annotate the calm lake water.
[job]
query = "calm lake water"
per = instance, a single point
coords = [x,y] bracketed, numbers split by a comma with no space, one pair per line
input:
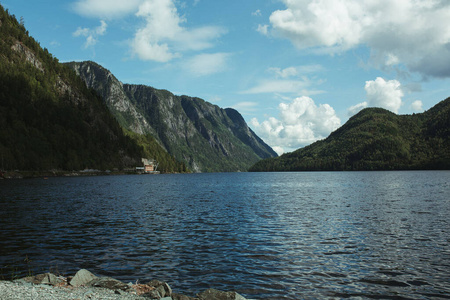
[382,235]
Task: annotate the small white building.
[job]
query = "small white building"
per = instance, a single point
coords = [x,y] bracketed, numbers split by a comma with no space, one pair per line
[149,166]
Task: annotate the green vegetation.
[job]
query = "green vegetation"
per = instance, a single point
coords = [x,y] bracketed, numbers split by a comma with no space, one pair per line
[376,139]
[203,136]
[199,133]
[166,162]
[50,120]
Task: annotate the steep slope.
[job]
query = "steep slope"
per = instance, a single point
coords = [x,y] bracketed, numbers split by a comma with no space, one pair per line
[204,136]
[376,139]
[49,119]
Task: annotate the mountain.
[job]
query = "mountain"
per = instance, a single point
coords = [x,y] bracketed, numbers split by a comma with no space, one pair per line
[376,139]
[49,119]
[204,136]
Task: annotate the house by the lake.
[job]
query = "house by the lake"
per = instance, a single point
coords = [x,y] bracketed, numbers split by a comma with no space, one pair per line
[149,166]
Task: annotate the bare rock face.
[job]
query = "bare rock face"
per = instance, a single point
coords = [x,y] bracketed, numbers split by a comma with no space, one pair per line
[28,55]
[111,89]
[204,136]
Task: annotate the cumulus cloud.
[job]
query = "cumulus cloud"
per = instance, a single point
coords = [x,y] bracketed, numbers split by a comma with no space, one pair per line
[385,94]
[417,106]
[410,32]
[163,37]
[353,110]
[381,93]
[300,123]
[106,8]
[91,35]
[207,64]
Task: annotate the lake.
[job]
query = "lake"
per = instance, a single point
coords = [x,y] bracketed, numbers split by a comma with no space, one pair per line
[379,235]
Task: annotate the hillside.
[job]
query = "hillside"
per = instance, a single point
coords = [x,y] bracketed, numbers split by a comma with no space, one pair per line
[376,139]
[49,119]
[204,136]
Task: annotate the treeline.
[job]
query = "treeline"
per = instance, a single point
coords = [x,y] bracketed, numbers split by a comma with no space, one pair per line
[376,139]
[49,119]
[152,149]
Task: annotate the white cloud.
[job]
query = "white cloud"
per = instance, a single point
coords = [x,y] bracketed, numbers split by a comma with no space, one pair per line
[300,123]
[207,64]
[106,8]
[163,38]
[417,106]
[385,94]
[290,80]
[245,107]
[91,35]
[295,71]
[279,86]
[410,32]
[353,110]
[256,13]
[380,93]
[284,73]
[263,29]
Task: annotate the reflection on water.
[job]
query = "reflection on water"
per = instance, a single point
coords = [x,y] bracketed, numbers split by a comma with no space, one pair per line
[265,235]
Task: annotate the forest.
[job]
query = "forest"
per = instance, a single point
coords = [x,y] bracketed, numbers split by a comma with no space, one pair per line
[376,139]
[49,119]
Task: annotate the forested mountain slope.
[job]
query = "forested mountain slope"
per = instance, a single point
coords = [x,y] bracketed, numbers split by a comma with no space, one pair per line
[376,139]
[49,119]
[204,136]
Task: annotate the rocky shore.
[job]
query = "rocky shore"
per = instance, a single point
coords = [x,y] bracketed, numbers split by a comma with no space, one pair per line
[85,285]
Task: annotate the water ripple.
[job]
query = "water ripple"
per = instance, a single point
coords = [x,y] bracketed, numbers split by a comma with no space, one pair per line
[376,235]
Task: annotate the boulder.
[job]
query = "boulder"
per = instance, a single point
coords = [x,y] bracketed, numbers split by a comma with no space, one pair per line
[108,283]
[213,294]
[152,295]
[181,297]
[82,277]
[47,278]
[161,287]
[51,279]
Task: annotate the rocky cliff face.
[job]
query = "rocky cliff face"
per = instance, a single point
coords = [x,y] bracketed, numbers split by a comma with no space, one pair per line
[111,90]
[204,136]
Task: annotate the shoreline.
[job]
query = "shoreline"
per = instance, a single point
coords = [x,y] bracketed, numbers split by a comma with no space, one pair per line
[60,173]
[85,285]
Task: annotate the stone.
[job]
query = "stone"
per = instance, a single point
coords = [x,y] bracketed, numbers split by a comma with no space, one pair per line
[51,279]
[152,295]
[181,297]
[162,287]
[213,294]
[82,277]
[108,283]
[46,278]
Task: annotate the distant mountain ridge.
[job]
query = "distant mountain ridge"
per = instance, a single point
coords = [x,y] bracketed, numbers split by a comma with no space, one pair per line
[204,136]
[376,139]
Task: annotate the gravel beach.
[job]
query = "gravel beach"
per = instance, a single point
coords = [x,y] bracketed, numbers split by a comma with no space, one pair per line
[85,285]
[13,290]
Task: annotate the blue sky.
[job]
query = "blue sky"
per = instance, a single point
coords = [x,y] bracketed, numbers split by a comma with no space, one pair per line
[295,69]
